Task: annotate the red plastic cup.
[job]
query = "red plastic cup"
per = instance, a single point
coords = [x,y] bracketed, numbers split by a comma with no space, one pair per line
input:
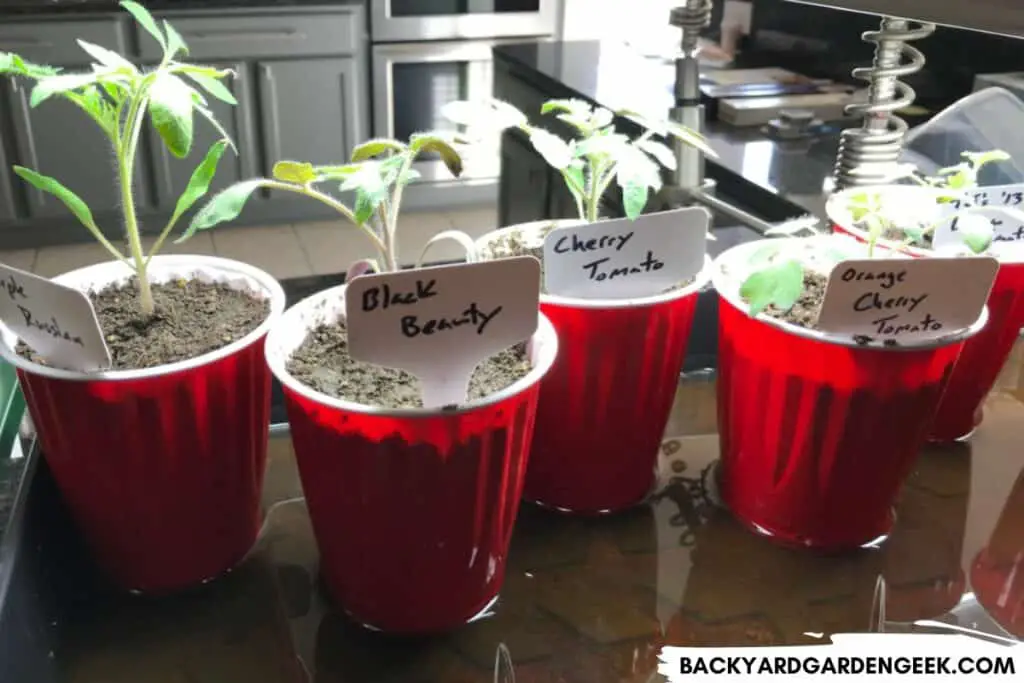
[161,468]
[606,402]
[412,509]
[997,573]
[984,356]
[818,434]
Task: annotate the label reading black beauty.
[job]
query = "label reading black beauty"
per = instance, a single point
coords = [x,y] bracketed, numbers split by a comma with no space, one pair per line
[906,300]
[58,322]
[440,323]
[621,258]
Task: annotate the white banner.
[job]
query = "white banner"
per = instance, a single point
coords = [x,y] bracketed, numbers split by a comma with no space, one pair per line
[853,657]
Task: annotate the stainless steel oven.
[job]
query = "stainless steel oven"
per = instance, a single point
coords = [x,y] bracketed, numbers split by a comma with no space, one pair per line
[413,81]
[407,20]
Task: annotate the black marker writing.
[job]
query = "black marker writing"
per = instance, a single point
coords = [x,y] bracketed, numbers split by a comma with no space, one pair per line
[572,243]
[874,300]
[886,279]
[413,327]
[51,327]
[926,324]
[1014,236]
[14,289]
[384,297]
[595,272]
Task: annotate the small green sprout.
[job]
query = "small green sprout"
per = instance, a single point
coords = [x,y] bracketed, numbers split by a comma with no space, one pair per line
[599,156]
[378,173]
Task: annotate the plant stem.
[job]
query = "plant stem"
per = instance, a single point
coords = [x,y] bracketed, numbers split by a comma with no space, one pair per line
[334,204]
[125,165]
[396,205]
[390,239]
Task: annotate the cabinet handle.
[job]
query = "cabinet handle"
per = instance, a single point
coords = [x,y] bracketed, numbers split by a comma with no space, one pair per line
[244,35]
[23,42]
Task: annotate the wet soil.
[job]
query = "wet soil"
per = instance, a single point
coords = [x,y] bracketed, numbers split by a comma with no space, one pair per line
[191,318]
[322,363]
[806,310]
[897,235]
[514,243]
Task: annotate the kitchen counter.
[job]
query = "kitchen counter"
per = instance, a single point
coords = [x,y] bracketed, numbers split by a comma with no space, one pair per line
[777,179]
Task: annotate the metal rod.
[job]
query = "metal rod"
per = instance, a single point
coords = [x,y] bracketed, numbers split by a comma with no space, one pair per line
[722,206]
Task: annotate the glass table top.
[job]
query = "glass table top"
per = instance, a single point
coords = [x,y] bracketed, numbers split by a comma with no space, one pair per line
[594,599]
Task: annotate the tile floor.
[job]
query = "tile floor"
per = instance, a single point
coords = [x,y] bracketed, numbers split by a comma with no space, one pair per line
[284,251]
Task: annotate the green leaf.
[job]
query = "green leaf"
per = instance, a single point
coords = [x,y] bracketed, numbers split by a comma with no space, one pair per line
[634,199]
[208,115]
[175,43]
[336,172]
[420,144]
[198,186]
[145,20]
[108,58]
[976,231]
[170,110]
[409,176]
[69,198]
[692,138]
[554,150]
[373,148]
[213,86]
[578,108]
[296,172]
[54,85]
[602,117]
[365,207]
[779,285]
[661,153]
[371,187]
[575,180]
[224,206]
[611,144]
[915,233]
[93,103]
[12,64]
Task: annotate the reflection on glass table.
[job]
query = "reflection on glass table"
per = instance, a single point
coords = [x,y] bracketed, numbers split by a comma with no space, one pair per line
[593,599]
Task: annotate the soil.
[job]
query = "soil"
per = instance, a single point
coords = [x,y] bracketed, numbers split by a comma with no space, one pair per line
[897,235]
[513,243]
[191,318]
[805,311]
[322,363]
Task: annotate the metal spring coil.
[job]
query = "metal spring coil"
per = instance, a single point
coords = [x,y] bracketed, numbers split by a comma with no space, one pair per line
[693,17]
[867,154]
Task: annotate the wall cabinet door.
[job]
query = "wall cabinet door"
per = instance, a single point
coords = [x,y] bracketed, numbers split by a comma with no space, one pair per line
[525,183]
[59,140]
[172,174]
[312,109]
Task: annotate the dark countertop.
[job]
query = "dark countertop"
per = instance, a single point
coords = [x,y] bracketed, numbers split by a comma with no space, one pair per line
[617,77]
[52,7]
[585,599]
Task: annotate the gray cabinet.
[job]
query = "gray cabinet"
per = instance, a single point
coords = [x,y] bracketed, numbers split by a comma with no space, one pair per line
[171,174]
[301,90]
[56,138]
[311,109]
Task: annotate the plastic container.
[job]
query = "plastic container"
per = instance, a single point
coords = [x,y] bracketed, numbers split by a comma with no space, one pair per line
[606,402]
[161,468]
[412,509]
[983,357]
[997,572]
[818,434]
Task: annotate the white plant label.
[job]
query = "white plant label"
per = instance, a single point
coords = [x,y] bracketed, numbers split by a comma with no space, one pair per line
[57,321]
[440,323]
[1000,204]
[904,301]
[618,259]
